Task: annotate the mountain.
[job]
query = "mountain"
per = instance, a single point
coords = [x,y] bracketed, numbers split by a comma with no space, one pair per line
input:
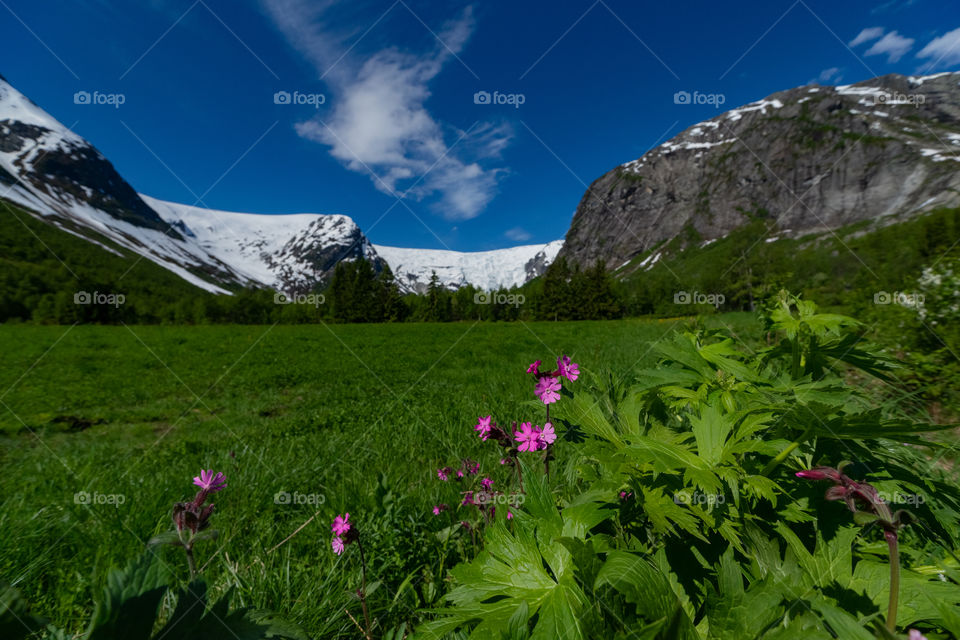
[291,252]
[490,270]
[62,179]
[806,160]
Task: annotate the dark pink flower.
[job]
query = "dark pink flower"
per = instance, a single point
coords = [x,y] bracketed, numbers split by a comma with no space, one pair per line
[444,473]
[567,369]
[509,514]
[528,437]
[340,525]
[486,483]
[468,498]
[483,427]
[547,390]
[534,368]
[209,482]
[337,545]
[440,508]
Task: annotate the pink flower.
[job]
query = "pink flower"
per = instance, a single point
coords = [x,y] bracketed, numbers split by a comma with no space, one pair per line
[486,483]
[340,525]
[528,437]
[916,635]
[444,473]
[440,508]
[567,369]
[625,496]
[483,427]
[534,368]
[467,498]
[473,468]
[547,389]
[459,473]
[547,435]
[209,482]
[504,461]
[337,545]
[509,515]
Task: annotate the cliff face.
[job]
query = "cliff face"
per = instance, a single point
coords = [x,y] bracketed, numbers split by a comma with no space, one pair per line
[809,159]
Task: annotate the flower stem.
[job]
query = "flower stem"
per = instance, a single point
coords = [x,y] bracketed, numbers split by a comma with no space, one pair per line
[363,591]
[786,452]
[894,546]
[190,561]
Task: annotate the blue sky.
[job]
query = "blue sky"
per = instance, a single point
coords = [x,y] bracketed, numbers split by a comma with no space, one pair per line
[405,141]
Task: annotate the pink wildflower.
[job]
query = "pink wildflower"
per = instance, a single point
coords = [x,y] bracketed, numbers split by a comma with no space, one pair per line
[337,545]
[467,498]
[916,635]
[509,515]
[209,482]
[444,473]
[483,427]
[473,468]
[459,473]
[440,508]
[547,435]
[340,525]
[547,389]
[567,369]
[504,461]
[528,437]
[486,483]
[534,368]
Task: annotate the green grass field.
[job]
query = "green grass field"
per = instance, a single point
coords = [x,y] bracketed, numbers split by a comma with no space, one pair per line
[361,415]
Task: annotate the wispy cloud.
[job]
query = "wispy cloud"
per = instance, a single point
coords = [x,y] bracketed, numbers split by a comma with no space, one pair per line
[378,122]
[833,74]
[943,51]
[892,45]
[518,234]
[868,34]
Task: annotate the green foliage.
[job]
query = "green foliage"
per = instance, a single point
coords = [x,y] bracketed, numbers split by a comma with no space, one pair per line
[702,530]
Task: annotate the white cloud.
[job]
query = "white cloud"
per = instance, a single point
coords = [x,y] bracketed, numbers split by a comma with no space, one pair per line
[829,75]
[868,34]
[892,45]
[943,51]
[518,234]
[378,122]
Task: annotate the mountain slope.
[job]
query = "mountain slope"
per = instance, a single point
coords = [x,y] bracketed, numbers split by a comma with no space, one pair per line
[490,270]
[808,160]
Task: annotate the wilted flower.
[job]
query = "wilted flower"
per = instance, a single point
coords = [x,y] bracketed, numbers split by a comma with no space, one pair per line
[473,468]
[337,545]
[209,482]
[547,390]
[567,369]
[528,437]
[340,525]
[191,517]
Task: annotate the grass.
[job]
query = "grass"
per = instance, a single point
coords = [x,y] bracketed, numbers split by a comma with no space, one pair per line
[356,416]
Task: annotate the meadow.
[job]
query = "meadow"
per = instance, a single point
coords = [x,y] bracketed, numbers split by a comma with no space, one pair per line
[104,426]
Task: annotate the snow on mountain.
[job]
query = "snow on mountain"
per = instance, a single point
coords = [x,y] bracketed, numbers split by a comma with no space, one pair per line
[63,179]
[485,269]
[55,173]
[288,252]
